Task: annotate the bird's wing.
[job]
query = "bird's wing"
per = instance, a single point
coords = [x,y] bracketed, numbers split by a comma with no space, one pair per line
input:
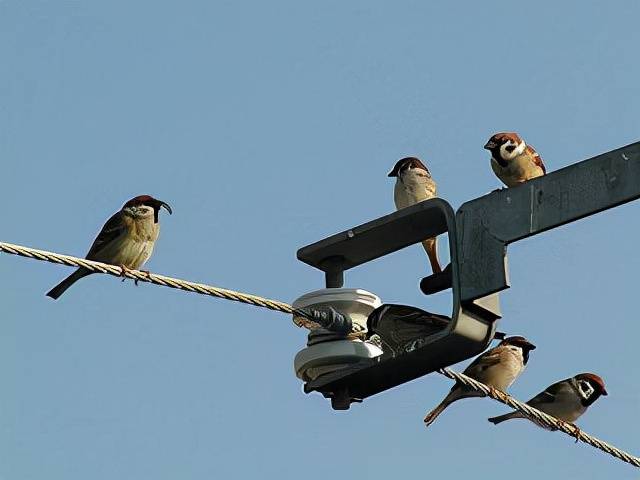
[537,159]
[484,361]
[549,395]
[114,227]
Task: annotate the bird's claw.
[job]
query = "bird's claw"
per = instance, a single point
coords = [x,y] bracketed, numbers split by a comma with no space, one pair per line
[146,272]
[124,271]
[576,432]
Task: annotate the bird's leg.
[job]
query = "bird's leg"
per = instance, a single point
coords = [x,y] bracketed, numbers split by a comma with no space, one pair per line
[576,430]
[493,391]
[431,247]
[125,269]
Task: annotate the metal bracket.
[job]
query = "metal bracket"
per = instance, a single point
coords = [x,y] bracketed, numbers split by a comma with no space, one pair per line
[468,333]
[478,237]
[342,251]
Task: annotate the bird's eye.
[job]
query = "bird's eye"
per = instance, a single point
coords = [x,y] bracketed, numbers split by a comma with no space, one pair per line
[510,148]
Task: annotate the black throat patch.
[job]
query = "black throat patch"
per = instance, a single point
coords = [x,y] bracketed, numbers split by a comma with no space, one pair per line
[495,154]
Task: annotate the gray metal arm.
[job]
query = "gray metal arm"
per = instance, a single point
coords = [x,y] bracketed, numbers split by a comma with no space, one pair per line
[488,224]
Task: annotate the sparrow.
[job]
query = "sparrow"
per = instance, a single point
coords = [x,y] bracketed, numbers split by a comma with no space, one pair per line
[126,240]
[414,184]
[497,368]
[513,161]
[565,400]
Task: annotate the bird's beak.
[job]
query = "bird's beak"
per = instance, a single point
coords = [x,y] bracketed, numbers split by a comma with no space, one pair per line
[166,207]
[531,346]
[490,145]
[392,173]
[604,392]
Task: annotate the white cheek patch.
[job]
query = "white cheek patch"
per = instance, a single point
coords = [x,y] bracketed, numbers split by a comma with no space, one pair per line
[586,389]
[507,155]
[141,211]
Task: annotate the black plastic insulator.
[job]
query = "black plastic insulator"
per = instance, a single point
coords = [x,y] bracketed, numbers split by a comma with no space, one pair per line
[330,319]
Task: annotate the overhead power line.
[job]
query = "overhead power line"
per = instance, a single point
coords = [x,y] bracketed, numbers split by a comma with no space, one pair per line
[531,413]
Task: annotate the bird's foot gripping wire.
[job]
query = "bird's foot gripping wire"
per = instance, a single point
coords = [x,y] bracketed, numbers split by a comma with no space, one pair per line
[493,392]
[576,432]
[146,272]
[124,269]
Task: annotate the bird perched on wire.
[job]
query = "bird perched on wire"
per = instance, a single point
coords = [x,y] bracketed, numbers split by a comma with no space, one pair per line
[415,184]
[512,160]
[565,400]
[126,240]
[497,368]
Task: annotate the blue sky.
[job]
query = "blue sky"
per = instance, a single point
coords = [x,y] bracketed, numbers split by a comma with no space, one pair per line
[267,126]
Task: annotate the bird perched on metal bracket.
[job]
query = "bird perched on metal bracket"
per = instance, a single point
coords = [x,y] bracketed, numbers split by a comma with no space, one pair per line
[497,368]
[513,161]
[126,240]
[415,184]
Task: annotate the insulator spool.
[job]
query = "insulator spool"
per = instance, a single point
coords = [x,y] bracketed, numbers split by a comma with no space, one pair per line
[328,351]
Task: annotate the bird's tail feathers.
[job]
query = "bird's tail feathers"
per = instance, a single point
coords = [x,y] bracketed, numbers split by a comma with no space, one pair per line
[452,396]
[505,417]
[455,394]
[433,414]
[59,289]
